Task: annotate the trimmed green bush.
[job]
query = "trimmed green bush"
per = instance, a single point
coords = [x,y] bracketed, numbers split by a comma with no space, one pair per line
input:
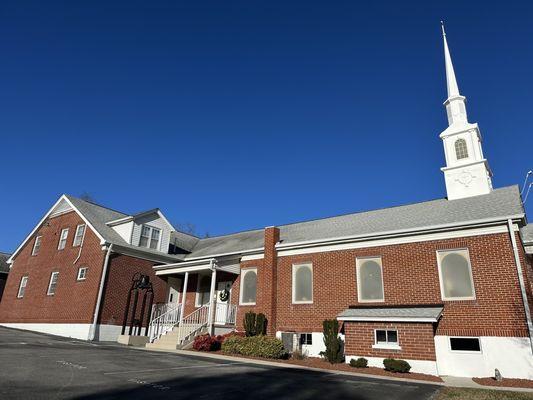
[359,363]
[332,341]
[254,346]
[260,324]
[394,365]
[249,323]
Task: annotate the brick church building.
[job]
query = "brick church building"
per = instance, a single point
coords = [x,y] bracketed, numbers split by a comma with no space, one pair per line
[444,284]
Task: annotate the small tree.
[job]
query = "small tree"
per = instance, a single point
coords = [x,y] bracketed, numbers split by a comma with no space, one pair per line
[250,323]
[260,324]
[332,341]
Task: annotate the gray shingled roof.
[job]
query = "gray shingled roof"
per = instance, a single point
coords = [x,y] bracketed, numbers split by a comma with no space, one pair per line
[500,203]
[4,267]
[527,234]
[375,313]
[98,216]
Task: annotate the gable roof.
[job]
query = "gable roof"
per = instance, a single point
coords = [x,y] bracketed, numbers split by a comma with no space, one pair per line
[500,204]
[4,267]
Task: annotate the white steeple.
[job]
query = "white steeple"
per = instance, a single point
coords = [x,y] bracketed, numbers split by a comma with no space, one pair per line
[467,172]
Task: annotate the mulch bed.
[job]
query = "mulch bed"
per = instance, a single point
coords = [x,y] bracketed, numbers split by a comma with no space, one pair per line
[506,382]
[315,362]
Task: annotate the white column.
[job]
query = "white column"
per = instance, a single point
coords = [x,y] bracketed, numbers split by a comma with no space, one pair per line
[183,294]
[212,301]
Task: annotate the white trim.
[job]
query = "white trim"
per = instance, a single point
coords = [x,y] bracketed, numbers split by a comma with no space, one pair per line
[358,262]
[25,280]
[461,252]
[366,241]
[74,244]
[63,240]
[53,275]
[388,319]
[294,268]
[84,277]
[421,366]
[253,257]
[245,271]
[387,345]
[38,239]
[149,242]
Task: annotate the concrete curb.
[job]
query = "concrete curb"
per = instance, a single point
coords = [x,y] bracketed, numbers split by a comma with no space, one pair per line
[293,366]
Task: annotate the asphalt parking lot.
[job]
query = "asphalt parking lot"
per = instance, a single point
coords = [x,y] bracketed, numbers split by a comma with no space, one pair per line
[35,366]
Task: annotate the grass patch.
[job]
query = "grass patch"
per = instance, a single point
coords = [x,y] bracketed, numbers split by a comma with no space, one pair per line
[480,394]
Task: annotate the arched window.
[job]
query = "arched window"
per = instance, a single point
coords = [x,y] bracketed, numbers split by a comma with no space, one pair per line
[369,279]
[248,286]
[302,283]
[460,149]
[456,275]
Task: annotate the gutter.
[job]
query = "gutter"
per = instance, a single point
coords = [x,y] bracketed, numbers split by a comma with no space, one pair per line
[522,283]
[92,330]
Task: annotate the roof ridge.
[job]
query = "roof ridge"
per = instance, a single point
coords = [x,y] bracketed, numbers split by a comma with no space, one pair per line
[97,205]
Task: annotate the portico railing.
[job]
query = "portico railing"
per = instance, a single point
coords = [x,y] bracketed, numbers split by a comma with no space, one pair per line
[164,317]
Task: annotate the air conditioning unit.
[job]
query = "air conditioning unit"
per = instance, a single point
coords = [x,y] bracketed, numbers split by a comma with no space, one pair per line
[291,341]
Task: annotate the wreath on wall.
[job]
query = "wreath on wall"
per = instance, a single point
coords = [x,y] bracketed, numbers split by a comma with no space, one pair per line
[224,295]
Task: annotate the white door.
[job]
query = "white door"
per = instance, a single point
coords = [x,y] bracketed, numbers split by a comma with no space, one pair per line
[174,287]
[222,308]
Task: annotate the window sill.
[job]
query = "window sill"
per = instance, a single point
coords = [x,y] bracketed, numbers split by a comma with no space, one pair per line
[386,346]
[247,304]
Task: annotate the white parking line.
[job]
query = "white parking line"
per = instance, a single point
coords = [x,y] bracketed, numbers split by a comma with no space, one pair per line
[173,368]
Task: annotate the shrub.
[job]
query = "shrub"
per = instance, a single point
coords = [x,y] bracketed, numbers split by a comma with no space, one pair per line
[298,355]
[260,324]
[394,365]
[359,363]
[332,341]
[207,342]
[249,323]
[254,346]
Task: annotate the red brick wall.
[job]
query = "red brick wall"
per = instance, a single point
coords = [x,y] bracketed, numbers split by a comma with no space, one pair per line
[410,275]
[74,300]
[415,339]
[120,271]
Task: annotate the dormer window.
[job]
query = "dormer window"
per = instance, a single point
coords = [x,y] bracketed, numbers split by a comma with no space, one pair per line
[461,150]
[150,237]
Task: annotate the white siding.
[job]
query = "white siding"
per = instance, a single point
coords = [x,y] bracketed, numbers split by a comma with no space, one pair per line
[61,208]
[155,221]
[124,230]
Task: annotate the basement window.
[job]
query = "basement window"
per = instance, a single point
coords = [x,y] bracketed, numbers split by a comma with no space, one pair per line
[306,339]
[386,339]
[467,344]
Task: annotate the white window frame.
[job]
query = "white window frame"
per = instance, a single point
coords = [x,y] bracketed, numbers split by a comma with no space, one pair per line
[52,275]
[37,245]
[197,298]
[22,288]
[63,239]
[78,239]
[243,273]
[358,262]
[294,268]
[441,282]
[151,228]
[388,345]
[82,278]
[465,351]
[305,344]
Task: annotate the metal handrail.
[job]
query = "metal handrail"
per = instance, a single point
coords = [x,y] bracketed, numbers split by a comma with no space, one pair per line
[165,316]
[193,323]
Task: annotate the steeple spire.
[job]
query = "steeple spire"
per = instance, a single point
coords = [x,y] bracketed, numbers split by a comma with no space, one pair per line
[455,103]
[467,172]
[453,89]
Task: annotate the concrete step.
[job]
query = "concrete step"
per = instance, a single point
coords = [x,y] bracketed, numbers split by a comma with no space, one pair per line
[162,346]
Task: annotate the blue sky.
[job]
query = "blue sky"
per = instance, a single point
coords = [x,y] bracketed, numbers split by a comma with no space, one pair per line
[243,114]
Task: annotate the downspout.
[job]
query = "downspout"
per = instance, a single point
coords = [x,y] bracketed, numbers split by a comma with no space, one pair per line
[521,281]
[92,331]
